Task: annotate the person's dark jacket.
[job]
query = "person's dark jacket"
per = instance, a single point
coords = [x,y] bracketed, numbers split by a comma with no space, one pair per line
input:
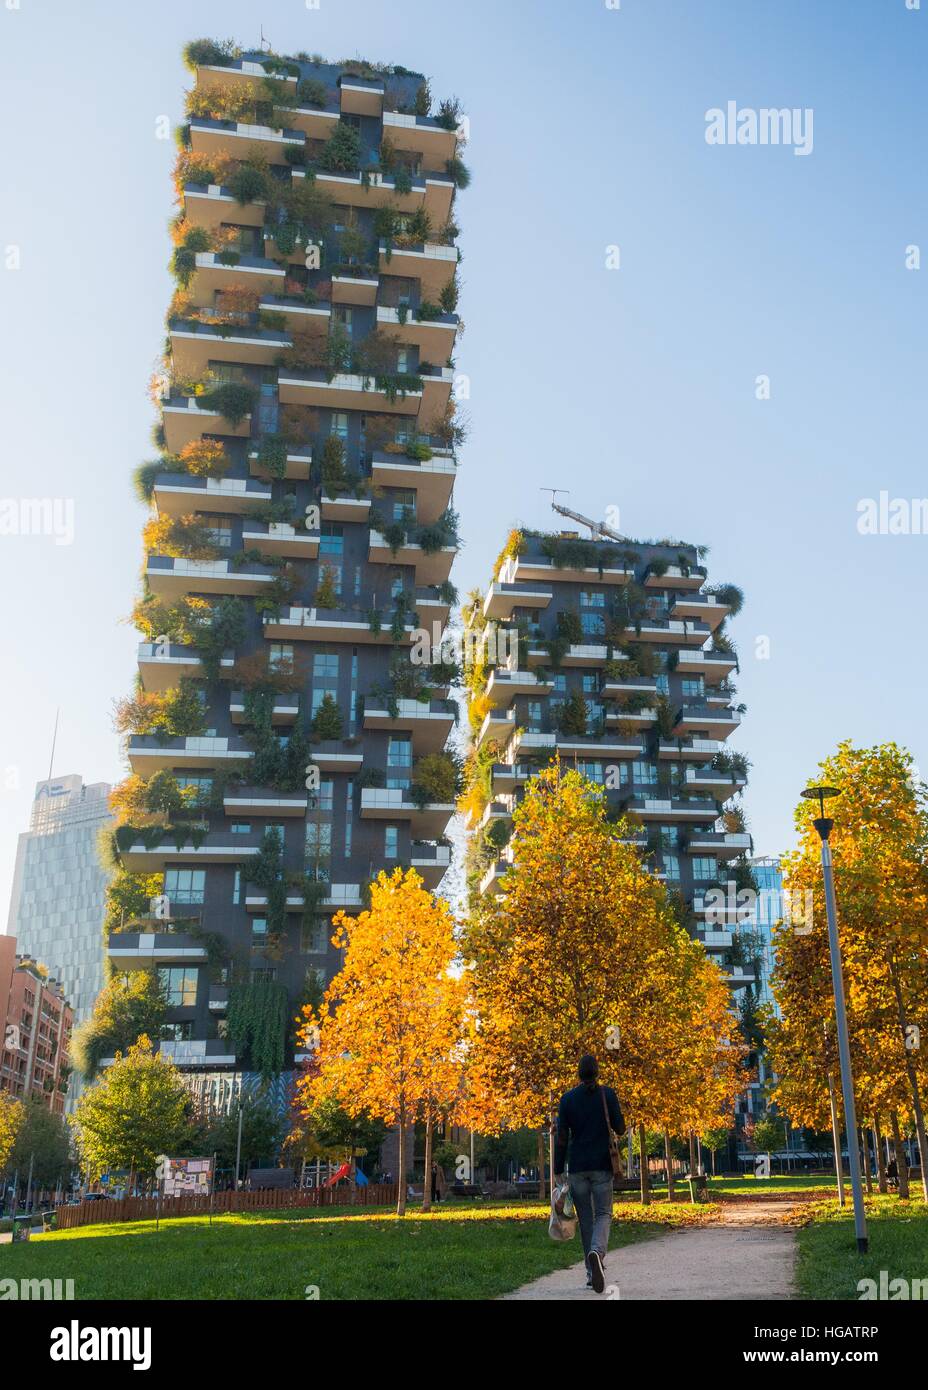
[582,1135]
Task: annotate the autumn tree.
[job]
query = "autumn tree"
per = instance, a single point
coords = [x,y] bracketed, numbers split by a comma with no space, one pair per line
[583,953]
[880,852]
[11,1118]
[138,1110]
[389,1019]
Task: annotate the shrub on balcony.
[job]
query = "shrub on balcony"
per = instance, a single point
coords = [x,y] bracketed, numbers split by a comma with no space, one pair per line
[233,400]
[210,53]
[204,458]
[458,171]
[143,479]
[184,537]
[448,114]
[311,92]
[177,713]
[272,455]
[342,151]
[248,184]
[633,702]
[326,592]
[571,715]
[223,627]
[729,594]
[127,1007]
[441,533]
[436,778]
[449,295]
[402,182]
[327,721]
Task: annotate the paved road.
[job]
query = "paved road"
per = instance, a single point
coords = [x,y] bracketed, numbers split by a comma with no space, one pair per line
[748,1253]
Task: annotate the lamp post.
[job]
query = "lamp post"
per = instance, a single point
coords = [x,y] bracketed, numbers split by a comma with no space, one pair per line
[823,825]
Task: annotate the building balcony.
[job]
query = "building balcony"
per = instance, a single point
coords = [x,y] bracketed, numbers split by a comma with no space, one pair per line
[211,205]
[638,718]
[345,508]
[355,289]
[432,265]
[676,578]
[593,747]
[433,481]
[215,847]
[432,191]
[284,710]
[504,685]
[218,999]
[437,383]
[212,274]
[150,753]
[671,808]
[499,724]
[162,664]
[432,567]
[631,685]
[508,778]
[338,897]
[261,801]
[238,140]
[429,722]
[493,811]
[392,804]
[502,598]
[699,750]
[585,654]
[170,576]
[713,666]
[185,420]
[361,96]
[297,465]
[145,950]
[519,568]
[333,756]
[179,494]
[301,316]
[705,607]
[420,135]
[715,940]
[738,977]
[242,72]
[705,719]
[280,538]
[721,784]
[492,881]
[431,863]
[199,1054]
[194,345]
[433,337]
[331,625]
[722,914]
[723,844]
[667,630]
[344,391]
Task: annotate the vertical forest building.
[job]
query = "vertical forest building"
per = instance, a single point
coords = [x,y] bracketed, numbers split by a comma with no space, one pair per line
[283,747]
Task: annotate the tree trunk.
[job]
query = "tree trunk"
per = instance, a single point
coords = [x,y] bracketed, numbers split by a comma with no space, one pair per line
[669,1161]
[645,1175]
[865,1156]
[427,1184]
[401,1164]
[913,1083]
[542,1192]
[880,1156]
[692,1154]
[899,1151]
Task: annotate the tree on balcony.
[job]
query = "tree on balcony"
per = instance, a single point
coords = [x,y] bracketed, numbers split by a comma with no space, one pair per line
[184,537]
[128,1007]
[572,715]
[328,723]
[436,778]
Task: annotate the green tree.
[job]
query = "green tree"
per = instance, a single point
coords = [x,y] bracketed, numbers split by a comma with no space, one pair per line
[11,1118]
[126,1008]
[263,1129]
[43,1138]
[138,1110]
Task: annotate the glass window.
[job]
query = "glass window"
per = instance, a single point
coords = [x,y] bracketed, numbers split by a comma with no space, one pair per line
[281,655]
[533,722]
[180,982]
[339,424]
[185,885]
[404,506]
[671,866]
[399,751]
[592,771]
[704,867]
[644,774]
[391,842]
[177,1032]
[240,827]
[694,688]
[589,598]
[258,933]
[593,624]
[662,681]
[313,940]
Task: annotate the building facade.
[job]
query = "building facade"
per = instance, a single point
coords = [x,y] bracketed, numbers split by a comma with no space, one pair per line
[612,655]
[59,886]
[285,747]
[35,1055]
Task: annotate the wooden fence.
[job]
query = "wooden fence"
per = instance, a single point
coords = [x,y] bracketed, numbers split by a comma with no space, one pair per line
[266,1199]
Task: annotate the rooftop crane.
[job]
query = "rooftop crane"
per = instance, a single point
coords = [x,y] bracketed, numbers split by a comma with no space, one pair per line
[597,528]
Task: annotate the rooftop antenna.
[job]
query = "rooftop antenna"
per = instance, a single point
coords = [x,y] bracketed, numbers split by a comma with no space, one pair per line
[597,528]
[264,41]
[54,741]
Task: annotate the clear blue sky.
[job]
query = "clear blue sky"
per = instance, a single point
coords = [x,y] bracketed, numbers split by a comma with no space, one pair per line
[633,388]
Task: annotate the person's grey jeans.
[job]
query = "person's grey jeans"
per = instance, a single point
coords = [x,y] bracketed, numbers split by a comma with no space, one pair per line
[592,1194]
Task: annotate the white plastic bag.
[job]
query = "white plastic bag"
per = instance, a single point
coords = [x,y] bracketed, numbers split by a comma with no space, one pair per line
[561,1225]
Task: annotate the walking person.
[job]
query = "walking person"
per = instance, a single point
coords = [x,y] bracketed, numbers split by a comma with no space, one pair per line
[586,1116]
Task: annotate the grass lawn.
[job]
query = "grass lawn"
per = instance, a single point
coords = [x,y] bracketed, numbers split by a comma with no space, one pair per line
[458,1252]
[829,1265]
[749,1186]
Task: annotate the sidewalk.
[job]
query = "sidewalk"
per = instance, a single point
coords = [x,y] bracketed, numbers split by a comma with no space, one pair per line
[747,1253]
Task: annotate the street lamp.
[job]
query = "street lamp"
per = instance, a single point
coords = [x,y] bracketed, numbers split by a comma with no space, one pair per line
[823,825]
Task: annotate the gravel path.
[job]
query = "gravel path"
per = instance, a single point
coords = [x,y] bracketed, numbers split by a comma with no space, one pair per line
[747,1253]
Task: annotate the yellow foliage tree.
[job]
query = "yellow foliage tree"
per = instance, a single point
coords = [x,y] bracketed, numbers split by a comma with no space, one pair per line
[387,1038]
